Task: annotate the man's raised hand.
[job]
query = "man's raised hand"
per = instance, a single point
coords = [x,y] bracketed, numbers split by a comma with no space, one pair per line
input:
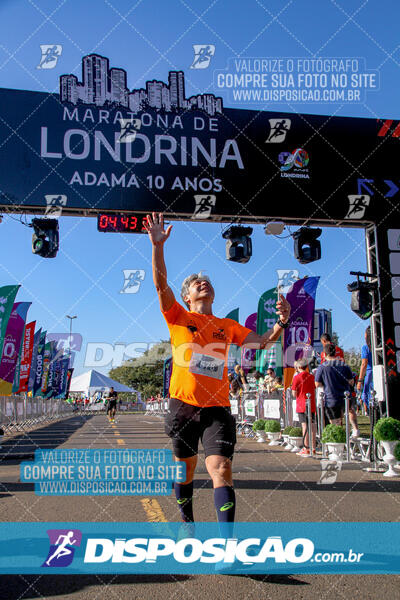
[155,229]
[283,309]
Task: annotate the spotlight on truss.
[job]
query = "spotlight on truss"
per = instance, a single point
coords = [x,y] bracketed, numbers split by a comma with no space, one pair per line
[307,248]
[362,295]
[45,239]
[238,246]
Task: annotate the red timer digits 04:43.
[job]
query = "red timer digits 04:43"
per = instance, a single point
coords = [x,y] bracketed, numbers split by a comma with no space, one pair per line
[115,223]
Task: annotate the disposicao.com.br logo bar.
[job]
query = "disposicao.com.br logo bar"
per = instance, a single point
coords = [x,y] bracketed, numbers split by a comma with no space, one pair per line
[157,548]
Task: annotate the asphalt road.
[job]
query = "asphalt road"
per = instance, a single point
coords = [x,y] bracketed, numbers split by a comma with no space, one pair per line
[271,486]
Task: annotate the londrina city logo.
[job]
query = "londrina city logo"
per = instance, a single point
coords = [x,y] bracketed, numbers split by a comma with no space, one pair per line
[298,158]
[62,547]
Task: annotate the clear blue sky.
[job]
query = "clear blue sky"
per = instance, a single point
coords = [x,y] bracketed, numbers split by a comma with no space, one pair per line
[148,39]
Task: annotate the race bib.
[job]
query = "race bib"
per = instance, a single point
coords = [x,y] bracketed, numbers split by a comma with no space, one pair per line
[210,366]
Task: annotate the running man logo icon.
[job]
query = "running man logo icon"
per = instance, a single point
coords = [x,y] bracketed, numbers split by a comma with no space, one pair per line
[330,470]
[279,129]
[204,205]
[54,205]
[50,55]
[129,128]
[286,278]
[61,553]
[357,206]
[133,280]
[202,56]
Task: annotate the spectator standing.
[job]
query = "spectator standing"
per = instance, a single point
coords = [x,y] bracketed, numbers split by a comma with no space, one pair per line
[303,384]
[336,378]
[365,381]
[325,340]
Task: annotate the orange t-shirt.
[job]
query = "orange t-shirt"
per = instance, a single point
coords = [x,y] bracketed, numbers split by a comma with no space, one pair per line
[200,345]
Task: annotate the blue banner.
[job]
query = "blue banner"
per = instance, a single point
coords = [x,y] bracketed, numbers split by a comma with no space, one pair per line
[155,548]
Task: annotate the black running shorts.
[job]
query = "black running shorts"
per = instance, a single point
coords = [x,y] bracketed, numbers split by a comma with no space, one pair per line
[187,424]
[303,418]
[112,405]
[334,412]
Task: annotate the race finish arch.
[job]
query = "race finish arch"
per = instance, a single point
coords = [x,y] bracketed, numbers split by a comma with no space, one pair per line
[99,147]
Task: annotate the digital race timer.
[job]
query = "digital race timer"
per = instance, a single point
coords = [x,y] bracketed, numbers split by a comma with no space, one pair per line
[116,223]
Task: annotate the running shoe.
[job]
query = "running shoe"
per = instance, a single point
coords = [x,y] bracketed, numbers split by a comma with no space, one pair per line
[303,452]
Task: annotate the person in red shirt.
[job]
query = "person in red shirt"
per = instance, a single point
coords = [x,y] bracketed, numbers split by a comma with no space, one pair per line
[303,384]
[325,340]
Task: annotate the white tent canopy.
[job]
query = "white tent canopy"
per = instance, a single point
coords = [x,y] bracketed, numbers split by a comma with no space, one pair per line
[93,381]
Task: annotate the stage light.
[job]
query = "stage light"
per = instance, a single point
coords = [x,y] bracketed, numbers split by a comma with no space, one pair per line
[45,239]
[307,248]
[238,246]
[362,296]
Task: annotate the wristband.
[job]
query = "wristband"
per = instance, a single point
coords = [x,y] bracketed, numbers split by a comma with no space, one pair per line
[283,325]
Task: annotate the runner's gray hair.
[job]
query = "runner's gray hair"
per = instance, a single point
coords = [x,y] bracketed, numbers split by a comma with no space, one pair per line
[186,284]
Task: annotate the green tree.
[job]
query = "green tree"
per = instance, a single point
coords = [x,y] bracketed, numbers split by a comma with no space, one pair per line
[144,373]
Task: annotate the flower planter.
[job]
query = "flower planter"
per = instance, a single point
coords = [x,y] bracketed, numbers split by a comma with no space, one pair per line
[261,436]
[273,437]
[296,442]
[389,457]
[335,450]
[287,444]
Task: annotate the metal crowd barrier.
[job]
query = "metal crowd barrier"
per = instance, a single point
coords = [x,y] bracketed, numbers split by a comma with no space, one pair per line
[158,409]
[21,414]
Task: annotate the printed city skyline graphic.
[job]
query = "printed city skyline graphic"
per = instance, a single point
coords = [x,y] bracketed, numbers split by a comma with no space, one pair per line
[104,86]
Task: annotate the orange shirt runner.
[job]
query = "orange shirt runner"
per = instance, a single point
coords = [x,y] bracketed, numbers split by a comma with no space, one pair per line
[200,345]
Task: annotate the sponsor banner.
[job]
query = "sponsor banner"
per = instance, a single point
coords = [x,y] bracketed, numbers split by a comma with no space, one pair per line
[69,378]
[26,357]
[47,356]
[167,374]
[7,297]
[37,384]
[63,379]
[249,354]
[299,337]
[32,371]
[15,385]
[266,319]
[234,352]
[165,548]
[98,141]
[12,344]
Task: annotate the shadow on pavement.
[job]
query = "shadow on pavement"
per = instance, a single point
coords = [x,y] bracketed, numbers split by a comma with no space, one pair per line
[272,484]
[25,587]
[27,443]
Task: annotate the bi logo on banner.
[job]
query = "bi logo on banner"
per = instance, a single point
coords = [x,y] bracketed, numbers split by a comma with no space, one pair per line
[62,547]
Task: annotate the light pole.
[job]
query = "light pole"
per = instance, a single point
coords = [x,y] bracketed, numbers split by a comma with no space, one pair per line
[70,333]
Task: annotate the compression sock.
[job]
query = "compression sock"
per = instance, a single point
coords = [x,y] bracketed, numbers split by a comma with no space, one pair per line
[184,498]
[224,500]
